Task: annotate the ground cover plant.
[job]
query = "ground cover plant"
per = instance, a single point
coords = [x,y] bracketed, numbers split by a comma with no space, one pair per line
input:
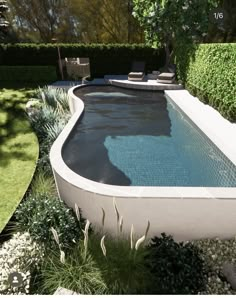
[19,254]
[18,150]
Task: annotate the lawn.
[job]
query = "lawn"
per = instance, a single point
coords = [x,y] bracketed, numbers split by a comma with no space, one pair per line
[18,150]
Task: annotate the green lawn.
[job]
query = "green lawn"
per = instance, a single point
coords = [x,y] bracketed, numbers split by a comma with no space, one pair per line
[18,151]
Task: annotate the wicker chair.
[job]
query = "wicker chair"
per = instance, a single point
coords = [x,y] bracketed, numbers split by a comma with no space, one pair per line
[77,67]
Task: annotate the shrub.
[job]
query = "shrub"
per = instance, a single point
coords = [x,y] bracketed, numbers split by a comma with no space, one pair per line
[176,267]
[53,110]
[123,268]
[78,274]
[104,58]
[208,71]
[20,73]
[38,214]
[57,98]
[44,116]
[19,254]
[41,121]
[122,271]
[48,117]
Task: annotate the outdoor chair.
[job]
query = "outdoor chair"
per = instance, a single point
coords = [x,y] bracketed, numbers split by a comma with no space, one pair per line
[168,75]
[137,71]
[166,78]
[77,67]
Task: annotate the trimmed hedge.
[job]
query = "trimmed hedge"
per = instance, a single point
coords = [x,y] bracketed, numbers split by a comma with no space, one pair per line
[28,73]
[209,72]
[104,58]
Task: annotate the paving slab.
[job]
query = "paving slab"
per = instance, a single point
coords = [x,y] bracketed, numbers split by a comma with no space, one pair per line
[146,84]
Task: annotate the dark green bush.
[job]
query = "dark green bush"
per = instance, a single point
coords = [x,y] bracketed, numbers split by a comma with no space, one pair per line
[27,73]
[208,72]
[104,58]
[176,267]
[38,214]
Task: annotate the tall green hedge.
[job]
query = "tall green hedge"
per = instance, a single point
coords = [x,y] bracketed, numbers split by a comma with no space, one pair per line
[22,73]
[209,72]
[104,58]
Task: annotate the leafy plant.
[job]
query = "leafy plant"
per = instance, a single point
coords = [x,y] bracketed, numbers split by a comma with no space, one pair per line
[176,267]
[53,131]
[19,254]
[190,22]
[57,98]
[44,116]
[78,274]
[48,120]
[38,214]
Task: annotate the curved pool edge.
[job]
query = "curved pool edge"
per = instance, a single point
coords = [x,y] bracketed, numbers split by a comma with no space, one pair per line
[185,212]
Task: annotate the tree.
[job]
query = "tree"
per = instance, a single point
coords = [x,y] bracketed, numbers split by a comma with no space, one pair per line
[106,21]
[225,32]
[40,20]
[3,22]
[168,22]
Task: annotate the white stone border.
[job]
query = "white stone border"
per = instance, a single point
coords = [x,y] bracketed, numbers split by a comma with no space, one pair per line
[185,212]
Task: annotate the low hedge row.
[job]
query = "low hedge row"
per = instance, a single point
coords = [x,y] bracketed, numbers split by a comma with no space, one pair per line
[28,73]
[209,72]
[104,58]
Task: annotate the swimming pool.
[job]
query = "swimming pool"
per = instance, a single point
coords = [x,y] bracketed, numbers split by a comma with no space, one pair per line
[97,160]
[139,138]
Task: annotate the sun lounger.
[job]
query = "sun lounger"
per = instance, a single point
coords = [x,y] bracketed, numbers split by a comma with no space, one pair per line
[166,78]
[137,71]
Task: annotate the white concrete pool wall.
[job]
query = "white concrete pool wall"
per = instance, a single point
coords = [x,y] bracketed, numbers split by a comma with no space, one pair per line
[184,212]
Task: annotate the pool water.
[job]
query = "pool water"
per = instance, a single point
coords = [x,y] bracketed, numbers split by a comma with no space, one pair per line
[139,138]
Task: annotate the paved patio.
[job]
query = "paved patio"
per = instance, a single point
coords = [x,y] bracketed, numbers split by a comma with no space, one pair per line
[120,81]
[68,84]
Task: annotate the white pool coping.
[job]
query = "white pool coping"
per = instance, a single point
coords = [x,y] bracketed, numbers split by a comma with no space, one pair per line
[218,129]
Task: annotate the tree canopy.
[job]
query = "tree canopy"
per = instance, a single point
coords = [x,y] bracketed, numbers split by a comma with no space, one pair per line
[111,21]
[108,21]
[167,22]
